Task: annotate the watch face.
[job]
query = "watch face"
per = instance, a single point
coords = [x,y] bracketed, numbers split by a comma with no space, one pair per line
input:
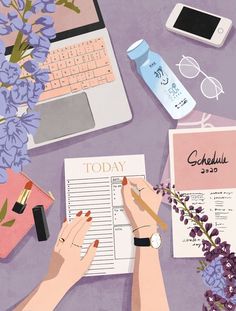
[155,240]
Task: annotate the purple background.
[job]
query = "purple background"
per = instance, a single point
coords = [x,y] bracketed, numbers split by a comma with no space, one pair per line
[127,21]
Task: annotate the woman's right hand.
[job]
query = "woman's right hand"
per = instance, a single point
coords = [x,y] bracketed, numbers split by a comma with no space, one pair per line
[143,224]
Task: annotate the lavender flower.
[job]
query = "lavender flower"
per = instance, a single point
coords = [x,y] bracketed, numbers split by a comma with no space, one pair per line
[214,308]
[19,92]
[208,226]
[3,175]
[48,32]
[21,5]
[5,30]
[20,160]
[7,108]
[213,277]
[34,93]
[38,41]
[214,232]
[220,274]
[230,290]
[16,22]
[46,6]
[204,218]
[45,21]
[199,209]
[6,157]
[49,6]
[6,2]
[12,15]
[3,19]
[12,133]
[42,75]
[229,306]
[229,262]
[31,66]
[9,72]
[2,48]
[40,54]
[30,121]
[15,89]
[26,29]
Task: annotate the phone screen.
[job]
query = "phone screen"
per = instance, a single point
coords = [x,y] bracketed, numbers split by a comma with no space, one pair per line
[197,23]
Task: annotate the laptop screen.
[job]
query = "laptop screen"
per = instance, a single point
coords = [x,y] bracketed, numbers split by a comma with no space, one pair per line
[67,22]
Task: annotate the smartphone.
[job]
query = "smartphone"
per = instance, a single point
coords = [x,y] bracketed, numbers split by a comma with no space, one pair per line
[199,25]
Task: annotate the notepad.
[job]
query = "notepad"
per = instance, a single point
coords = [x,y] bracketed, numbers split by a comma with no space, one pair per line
[95,184]
[11,236]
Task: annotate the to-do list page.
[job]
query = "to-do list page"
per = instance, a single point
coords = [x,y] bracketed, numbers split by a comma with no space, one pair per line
[94,184]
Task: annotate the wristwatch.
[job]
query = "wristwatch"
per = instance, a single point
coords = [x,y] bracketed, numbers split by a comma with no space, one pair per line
[154,241]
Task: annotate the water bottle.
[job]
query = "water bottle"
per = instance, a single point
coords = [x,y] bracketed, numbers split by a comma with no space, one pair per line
[161,80]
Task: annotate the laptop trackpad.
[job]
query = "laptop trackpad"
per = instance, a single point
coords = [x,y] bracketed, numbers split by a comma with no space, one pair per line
[64,116]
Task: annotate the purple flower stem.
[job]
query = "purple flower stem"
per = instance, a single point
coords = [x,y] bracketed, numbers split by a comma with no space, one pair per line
[27,55]
[16,52]
[185,208]
[28,76]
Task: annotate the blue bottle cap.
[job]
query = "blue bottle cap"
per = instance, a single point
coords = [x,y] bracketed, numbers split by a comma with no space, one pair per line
[137,49]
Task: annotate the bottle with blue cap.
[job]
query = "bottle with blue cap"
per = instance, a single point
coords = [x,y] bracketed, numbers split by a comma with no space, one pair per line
[161,80]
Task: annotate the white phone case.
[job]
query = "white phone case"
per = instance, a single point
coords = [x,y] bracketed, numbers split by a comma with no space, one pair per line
[219,35]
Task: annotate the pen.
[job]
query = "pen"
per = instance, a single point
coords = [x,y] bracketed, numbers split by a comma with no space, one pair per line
[148,209]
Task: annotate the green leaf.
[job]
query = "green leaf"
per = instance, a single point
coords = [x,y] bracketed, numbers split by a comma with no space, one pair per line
[3,211]
[9,223]
[69,4]
[220,306]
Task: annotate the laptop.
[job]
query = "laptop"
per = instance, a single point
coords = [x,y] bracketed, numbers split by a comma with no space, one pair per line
[85,92]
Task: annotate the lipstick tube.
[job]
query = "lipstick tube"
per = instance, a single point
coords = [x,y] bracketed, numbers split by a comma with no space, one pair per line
[21,202]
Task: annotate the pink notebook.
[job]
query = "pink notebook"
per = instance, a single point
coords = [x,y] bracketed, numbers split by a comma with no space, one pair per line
[11,236]
[196,119]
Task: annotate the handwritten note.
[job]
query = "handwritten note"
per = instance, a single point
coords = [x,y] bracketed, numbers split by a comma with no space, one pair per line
[95,184]
[203,166]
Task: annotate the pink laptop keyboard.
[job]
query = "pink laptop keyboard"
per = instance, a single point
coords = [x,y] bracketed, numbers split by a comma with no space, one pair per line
[77,67]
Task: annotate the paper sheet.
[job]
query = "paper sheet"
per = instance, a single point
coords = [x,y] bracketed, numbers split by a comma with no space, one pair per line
[95,184]
[203,165]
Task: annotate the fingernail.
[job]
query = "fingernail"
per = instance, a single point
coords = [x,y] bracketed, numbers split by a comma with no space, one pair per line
[89,219]
[96,244]
[65,220]
[88,213]
[124,181]
[79,214]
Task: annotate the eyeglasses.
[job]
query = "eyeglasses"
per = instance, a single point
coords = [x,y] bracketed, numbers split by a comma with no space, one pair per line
[189,68]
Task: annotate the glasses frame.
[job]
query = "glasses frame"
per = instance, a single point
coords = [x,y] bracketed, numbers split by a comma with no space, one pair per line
[213,80]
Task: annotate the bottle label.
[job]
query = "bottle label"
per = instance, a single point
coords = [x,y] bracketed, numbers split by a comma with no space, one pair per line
[169,88]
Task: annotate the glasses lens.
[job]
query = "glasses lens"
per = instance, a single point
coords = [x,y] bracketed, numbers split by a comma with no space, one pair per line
[188,67]
[211,88]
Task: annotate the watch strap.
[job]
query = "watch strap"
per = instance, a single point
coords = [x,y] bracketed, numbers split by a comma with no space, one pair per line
[144,242]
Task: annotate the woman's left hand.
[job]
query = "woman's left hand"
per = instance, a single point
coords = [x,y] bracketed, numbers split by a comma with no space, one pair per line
[66,262]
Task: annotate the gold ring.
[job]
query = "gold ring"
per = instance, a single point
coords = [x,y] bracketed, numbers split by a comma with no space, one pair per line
[76,245]
[62,240]
[141,189]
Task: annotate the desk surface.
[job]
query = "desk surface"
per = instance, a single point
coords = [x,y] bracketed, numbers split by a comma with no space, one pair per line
[127,21]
